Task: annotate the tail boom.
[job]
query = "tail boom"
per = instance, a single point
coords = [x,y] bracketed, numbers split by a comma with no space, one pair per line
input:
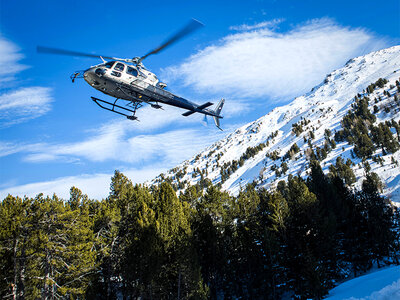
[216,113]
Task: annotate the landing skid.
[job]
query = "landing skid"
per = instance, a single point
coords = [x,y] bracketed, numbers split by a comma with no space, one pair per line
[118,109]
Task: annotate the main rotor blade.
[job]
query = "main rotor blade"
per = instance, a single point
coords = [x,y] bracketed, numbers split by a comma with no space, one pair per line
[41,49]
[188,29]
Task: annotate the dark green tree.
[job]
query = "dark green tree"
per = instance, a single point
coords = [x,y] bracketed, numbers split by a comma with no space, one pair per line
[363,146]
[14,232]
[379,216]
[343,171]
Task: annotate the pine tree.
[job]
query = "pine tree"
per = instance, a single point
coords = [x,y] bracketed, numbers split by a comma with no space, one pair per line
[211,238]
[178,275]
[140,246]
[278,212]
[305,274]
[106,219]
[14,231]
[383,137]
[343,171]
[272,219]
[330,206]
[379,216]
[119,187]
[78,227]
[363,147]
[397,128]
[60,257]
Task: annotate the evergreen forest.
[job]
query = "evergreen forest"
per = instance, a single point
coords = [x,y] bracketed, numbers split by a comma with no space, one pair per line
[145,242]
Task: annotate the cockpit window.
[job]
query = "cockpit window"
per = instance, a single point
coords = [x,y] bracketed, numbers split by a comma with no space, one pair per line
[119,67]
[109,64]
[132,71]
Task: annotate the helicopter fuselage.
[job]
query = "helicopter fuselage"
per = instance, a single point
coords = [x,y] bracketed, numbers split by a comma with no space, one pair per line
[109,77]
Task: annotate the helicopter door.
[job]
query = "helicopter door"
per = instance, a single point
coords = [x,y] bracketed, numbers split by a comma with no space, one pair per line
[118,68]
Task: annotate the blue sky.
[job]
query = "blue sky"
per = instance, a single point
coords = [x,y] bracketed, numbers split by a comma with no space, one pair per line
[255,54]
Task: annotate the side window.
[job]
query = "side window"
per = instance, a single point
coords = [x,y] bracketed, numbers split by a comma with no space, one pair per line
[109,64]
[119,67]
[132,71]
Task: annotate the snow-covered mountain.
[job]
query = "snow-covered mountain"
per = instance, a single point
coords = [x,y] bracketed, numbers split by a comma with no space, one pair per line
[248,154]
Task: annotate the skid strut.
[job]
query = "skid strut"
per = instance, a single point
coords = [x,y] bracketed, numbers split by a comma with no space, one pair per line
[118,109]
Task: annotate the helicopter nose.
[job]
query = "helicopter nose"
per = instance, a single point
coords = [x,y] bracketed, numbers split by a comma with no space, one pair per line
[90,76]
[87,73]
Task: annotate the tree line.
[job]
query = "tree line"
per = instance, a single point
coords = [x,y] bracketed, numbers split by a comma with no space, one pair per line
[145,242]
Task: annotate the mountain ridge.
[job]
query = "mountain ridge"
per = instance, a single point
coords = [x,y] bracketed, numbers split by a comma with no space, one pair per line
[320,109]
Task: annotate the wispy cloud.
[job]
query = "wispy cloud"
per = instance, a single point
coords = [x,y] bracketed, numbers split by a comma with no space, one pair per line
[148,154]
[144,156]
[23,104]
[236,107]
[7,148]
[118,141]
[264,25]
[18,104]
[262,62]
[9,61]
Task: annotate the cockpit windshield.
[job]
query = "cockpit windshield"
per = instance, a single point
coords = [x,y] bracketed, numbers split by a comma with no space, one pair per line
[109,64]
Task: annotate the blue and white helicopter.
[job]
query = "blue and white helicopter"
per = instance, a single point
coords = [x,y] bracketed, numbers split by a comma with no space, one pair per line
[127,79]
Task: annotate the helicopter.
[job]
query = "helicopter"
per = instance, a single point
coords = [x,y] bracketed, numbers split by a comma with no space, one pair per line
[128,80]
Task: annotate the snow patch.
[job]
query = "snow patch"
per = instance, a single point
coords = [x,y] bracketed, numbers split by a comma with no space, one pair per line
[379,285]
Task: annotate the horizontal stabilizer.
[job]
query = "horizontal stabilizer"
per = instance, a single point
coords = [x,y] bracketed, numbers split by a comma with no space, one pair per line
[188,113]
[205,105]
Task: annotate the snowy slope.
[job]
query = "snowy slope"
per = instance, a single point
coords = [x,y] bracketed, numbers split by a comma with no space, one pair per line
[379,285]
[323,107]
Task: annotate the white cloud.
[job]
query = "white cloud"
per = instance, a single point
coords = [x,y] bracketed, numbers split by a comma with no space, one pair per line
[9,61]
[265,25]
[24,104]
[150,154]
[119,141]
[9,148]
[96,186]
[265,63]
[234,107]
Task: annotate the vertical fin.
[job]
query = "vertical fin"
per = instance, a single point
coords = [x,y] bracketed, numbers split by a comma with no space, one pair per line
[217,112]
